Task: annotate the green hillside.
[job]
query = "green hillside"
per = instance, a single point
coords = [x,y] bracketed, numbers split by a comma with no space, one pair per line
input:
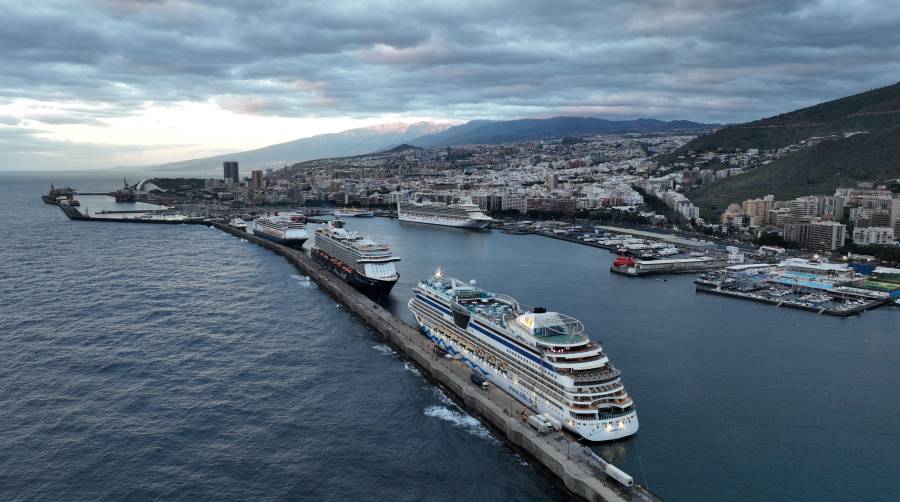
[872,110]
[872,156]
[819,169]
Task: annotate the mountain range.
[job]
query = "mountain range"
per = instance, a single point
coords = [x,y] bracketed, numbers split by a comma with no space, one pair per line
[506,131]
[426,135]
[347,143]
[864,145]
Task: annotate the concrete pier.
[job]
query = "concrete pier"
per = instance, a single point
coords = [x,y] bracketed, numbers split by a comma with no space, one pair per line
[558,452]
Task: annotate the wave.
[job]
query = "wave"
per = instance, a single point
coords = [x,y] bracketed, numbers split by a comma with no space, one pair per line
[412,369]
[303,280]
[442,397]
[461,420]
[384,349]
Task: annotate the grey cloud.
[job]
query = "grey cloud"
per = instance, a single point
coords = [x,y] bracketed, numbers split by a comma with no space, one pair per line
[693,59]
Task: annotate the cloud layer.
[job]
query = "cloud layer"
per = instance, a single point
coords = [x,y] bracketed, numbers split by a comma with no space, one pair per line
[692,59]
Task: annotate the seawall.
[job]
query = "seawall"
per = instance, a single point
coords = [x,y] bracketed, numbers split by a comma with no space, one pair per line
[559,453]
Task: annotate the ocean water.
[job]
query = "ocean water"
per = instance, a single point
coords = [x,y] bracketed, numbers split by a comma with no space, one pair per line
[178,362]
[146,362]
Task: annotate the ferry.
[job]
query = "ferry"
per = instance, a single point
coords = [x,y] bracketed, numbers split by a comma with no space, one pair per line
[238,223]
[284,228]
[463,215]
[363,263]
[544,359]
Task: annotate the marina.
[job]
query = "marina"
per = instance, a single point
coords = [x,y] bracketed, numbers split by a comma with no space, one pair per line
[825,288]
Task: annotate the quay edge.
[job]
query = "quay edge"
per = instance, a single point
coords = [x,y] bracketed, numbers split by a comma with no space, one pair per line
[563,457]
[578,475]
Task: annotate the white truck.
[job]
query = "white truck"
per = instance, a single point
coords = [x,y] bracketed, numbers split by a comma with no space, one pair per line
[539,425]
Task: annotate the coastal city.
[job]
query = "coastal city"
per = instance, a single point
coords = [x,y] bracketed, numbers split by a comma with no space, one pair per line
[826,253]
[442,251]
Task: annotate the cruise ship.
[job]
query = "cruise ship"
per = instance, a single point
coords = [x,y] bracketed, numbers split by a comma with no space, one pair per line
[348,212]
[542,358]
[284,228]
[465,214]
[363,263]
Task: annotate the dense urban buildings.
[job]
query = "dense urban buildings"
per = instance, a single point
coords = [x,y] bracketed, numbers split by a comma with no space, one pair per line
[614,176]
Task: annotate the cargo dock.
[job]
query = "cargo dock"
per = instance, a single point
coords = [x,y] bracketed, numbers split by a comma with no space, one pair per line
[577,467]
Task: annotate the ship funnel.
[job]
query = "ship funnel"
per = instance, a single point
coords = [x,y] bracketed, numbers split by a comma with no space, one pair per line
[540,310]
[439,273]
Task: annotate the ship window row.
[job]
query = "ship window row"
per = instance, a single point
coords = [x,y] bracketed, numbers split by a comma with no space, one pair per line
[525,368]
[436,211]
[338,252]
[525,373]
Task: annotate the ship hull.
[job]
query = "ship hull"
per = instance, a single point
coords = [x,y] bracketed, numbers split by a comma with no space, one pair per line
[296,243]
[411,218]
[376,289]
[603,430]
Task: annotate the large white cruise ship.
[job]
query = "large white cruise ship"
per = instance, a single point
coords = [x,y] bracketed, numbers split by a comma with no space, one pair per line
[363,263]
[284,228]
[542,358]
[465,214]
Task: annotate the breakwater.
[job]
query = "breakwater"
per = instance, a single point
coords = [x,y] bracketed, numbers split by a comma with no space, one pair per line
[559,453]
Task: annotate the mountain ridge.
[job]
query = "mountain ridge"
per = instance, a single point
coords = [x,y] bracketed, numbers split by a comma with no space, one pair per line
[494,132]
[355,141]
[863,145]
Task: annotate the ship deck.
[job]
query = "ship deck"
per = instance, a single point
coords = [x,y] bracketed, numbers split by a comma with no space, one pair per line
[491,308]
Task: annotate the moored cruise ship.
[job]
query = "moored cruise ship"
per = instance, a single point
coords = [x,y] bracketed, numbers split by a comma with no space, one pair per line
[284,228]
[363,263]
[354,212]
[465,214]
[542,358]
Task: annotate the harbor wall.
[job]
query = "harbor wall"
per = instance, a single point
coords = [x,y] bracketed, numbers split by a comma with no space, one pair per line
[558,453]
[561,455]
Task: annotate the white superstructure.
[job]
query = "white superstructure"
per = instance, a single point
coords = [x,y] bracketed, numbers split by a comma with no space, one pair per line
[354,212]
[283,228]
[465,214]
[542,358]
[363,255]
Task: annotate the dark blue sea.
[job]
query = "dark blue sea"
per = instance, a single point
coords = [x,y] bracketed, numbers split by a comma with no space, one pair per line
[147,362]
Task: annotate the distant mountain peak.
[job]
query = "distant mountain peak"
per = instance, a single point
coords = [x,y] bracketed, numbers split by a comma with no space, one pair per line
[355,141]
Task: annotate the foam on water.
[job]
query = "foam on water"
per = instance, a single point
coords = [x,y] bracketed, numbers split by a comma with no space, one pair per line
[410,367]
[461,420]
[442,397]
[384,349]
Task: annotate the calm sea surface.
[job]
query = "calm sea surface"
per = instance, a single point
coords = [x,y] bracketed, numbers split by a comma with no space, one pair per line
[155,361]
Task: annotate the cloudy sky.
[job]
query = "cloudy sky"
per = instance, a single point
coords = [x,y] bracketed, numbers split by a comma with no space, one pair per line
[118,82]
